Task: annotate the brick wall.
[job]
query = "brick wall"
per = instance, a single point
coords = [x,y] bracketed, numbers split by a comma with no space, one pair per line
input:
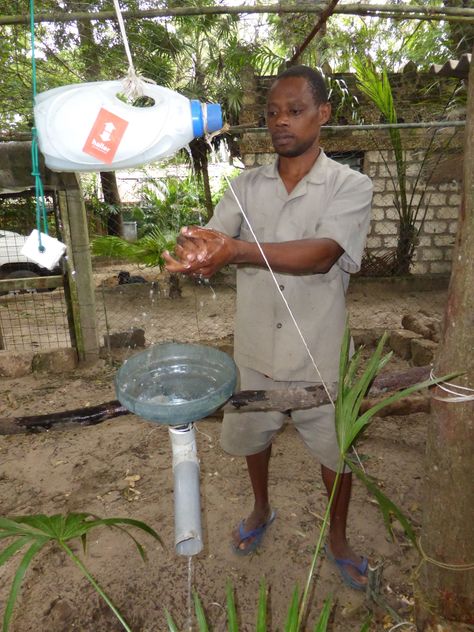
[439,176]
[439,207]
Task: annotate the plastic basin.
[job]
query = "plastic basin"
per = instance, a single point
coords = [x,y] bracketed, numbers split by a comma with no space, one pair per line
[175,383]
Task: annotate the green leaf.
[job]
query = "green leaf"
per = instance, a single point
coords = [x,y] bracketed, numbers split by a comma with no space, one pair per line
[231,611]
[366,417]
[322,623]
[20,573]
[60,528]
[112,522]
[12,548]
[291,624]
[200,615]
[262,609]
[171,624]
[387,506]
[366,625]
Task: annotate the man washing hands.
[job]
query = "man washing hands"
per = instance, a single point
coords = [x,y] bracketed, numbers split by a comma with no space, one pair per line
[310,216]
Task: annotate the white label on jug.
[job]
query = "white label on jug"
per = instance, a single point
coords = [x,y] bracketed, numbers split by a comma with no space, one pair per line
[105,136]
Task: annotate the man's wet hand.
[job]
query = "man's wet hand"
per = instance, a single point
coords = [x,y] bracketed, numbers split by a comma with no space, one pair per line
[200,252]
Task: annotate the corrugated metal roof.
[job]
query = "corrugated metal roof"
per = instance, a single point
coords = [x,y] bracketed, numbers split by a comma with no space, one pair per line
[454,67]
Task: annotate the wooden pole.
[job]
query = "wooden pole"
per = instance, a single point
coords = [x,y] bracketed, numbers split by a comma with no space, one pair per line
[445,599]
[244,401]
[389,10]
[79,267]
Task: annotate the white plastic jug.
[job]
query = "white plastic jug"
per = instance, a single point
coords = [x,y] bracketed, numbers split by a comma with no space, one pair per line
[86,127]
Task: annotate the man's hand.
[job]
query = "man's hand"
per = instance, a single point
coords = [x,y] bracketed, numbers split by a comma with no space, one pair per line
[200,252]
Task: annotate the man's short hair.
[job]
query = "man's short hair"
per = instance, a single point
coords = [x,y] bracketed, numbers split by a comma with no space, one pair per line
[314,79]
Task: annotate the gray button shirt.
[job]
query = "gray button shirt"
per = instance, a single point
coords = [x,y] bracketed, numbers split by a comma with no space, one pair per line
[332,201]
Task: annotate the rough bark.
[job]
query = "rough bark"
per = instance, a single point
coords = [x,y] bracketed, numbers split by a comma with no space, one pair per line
[245,401]
[445,599]
[110,191]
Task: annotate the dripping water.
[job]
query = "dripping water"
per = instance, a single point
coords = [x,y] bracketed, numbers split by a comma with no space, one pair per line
[189,622]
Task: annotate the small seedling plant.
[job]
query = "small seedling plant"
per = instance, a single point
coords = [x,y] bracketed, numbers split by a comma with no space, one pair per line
[33,533]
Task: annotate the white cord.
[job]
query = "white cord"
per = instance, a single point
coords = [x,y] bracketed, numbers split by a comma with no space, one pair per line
[124,35]
[281,293]
[398,625]
[133,82]
[455,390]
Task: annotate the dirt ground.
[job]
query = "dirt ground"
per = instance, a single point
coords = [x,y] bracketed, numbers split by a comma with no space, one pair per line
[122,467]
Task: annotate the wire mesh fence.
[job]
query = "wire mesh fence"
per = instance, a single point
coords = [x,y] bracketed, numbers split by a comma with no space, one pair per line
[34,321]
[141,312]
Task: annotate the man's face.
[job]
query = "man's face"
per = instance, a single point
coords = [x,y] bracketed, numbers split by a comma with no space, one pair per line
[293,118]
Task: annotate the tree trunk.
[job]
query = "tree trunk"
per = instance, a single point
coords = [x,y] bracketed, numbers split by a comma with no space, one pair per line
[445,599]
[199,149]
[405,248]
[111,194]
[206,186]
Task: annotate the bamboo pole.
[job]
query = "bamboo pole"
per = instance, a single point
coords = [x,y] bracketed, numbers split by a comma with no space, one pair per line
[245,129]
[449,14]
[248,129]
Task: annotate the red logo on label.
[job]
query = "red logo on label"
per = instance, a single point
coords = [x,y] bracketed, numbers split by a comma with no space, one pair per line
[105,136]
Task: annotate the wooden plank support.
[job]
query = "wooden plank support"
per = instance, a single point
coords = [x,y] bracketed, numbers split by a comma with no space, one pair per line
[244,401]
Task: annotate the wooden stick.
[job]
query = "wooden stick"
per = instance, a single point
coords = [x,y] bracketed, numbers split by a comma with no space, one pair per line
[323,18]
[244,401]
[405,12]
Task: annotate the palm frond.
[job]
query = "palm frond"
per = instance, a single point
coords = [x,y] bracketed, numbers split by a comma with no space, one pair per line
[38,530]
[388,508]
[146,251]
[350,423]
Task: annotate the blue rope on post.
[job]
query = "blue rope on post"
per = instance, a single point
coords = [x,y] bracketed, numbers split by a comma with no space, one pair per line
[41,216]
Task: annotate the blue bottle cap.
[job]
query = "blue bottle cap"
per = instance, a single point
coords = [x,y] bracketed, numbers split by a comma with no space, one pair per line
[196,116]
[214,117]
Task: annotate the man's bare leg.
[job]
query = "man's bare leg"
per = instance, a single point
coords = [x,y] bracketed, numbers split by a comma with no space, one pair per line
[257,466]
[338,543]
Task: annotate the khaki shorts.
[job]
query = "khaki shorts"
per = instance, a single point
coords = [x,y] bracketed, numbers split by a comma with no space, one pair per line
[244,434]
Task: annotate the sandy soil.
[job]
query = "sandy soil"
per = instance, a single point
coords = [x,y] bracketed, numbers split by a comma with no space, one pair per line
[122,468]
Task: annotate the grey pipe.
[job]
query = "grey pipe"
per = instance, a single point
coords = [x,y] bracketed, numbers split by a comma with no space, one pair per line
[187,502]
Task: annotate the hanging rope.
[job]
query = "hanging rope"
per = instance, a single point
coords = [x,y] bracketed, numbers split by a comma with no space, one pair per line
[133,82]
[41,215]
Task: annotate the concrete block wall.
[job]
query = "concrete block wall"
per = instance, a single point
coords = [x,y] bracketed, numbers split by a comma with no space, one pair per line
[439,207]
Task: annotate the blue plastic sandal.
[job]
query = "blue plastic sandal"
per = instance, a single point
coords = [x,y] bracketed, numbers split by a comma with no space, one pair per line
[257,534]
[342,565]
